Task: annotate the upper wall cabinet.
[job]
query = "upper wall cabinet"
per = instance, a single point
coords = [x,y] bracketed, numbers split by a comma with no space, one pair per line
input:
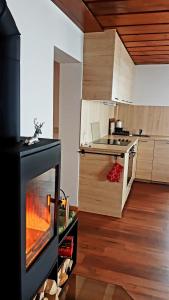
[108,68]
[126,74]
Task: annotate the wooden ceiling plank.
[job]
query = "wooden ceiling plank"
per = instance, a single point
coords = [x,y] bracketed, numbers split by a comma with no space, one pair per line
[145,37]
[151,59]
[143,25]
[155,48]
[124,7]
[145,53]
[88,1]
[154,56]
[141,29]
[134,19]
[147,43]
[151,63]
[78,12]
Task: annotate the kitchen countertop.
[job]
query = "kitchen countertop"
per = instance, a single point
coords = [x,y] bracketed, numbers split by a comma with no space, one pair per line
[154,138]
[102,148]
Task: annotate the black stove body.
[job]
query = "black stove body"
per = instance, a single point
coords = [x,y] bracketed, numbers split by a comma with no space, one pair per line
[29,171]
[30,182]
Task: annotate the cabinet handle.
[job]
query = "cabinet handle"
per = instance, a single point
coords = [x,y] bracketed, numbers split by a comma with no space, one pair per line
[143,141]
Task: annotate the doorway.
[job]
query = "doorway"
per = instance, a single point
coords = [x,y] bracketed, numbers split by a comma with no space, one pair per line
[66,118]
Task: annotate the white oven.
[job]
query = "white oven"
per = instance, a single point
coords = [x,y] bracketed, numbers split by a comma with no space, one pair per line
[132,154]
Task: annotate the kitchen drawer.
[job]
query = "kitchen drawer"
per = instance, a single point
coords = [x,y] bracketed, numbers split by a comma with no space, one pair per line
[144,169]
[145,159]
[161,162]
[145,150]
[161,151]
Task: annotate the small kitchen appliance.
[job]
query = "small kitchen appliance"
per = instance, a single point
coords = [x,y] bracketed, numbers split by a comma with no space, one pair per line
[118,126]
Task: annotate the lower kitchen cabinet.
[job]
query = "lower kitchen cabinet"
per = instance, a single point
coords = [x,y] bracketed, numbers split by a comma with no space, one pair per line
[160,170]
[145,160]
[96,193]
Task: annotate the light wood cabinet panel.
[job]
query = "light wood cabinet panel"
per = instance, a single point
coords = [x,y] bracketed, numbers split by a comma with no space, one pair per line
[161,162]
[145,150]
[107,67]
[154,120]
[98,60]
[126,72]
[144,170]
[145,160]
[96,193]
[116,68]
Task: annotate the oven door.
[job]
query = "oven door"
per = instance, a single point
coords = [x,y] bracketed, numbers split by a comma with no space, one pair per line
[132,153]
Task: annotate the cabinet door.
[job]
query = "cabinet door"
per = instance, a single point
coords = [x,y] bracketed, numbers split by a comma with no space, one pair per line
[116,68]
[145,160]
[161,162]
[125,75]
[98,57]
[96,193]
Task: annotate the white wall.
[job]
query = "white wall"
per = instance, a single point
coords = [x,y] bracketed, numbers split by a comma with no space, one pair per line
[94,111]
[151,85]
[43,26]
[69,127]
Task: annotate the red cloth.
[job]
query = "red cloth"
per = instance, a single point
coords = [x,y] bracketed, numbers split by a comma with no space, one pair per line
[115,173]
[66,248]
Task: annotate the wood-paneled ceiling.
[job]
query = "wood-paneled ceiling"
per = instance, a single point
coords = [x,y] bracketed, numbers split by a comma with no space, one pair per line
[143,25]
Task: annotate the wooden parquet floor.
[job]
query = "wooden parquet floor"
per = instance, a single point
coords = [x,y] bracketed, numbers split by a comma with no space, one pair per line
[132,251]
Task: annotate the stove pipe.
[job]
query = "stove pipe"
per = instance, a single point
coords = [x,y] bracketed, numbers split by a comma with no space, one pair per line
[9,76]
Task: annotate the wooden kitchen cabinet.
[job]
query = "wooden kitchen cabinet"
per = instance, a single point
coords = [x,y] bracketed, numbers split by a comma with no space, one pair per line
[160,170]
[126,73]
[107,67]
[145,159]
[116,69]
[96,193]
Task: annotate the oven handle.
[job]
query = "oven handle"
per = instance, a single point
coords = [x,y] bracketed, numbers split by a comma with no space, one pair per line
[132,153]
[109,154]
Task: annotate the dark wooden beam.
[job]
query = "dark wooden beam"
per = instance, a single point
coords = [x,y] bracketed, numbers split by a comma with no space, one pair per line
[78,12]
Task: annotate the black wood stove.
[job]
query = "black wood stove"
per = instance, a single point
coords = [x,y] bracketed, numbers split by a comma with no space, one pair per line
[30,182]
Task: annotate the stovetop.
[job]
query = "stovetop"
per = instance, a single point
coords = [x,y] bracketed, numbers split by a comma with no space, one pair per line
[117,142]
[123,132]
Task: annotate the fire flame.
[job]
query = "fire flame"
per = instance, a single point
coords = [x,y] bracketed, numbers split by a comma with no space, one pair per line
[38,219]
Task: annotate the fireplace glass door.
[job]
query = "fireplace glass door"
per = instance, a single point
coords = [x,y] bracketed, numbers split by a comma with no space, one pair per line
[40,196]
